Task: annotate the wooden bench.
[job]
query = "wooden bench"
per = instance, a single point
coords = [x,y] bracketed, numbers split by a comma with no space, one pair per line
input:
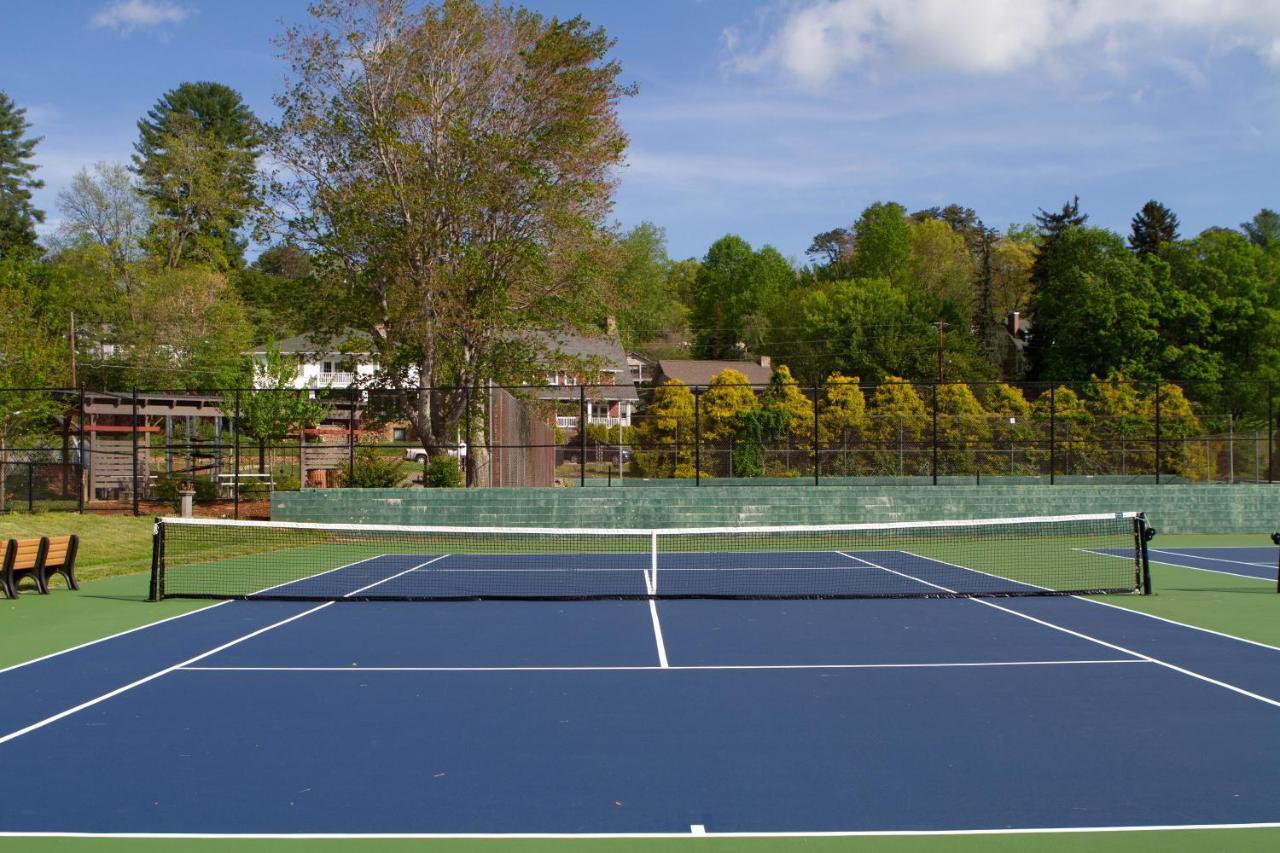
[39,559]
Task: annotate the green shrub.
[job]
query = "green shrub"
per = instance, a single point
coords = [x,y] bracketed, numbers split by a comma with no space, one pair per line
[372,471]
[254,490]
[284,478]
[169,488]
[442,472]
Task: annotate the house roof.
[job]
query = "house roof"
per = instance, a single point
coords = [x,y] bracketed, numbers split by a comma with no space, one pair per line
[700,372]
[315,344]
[606,350]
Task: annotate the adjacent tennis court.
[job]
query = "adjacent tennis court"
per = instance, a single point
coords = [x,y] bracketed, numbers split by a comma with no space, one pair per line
[768,694]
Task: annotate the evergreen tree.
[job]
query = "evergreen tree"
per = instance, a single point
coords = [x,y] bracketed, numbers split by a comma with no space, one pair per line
[18,216]
[1264,229]
[195,160]
[1153,225]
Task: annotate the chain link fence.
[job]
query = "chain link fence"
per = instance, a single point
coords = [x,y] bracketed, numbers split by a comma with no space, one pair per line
[138,450]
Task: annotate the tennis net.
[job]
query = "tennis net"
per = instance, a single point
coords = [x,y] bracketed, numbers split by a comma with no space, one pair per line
[1044,555]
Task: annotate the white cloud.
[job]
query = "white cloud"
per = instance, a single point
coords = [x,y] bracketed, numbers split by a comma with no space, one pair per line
[125,16]
[816,40]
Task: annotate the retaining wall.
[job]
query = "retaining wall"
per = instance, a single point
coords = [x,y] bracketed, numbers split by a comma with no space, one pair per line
[1170,508]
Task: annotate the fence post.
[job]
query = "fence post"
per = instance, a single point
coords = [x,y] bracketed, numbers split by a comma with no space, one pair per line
[1053,438]
[1271,441]
[466,438]
[816,468]
[80,456]
[697,439]
[133,432]
[31,490]
[933,437]
[351,434]
[235,464]
[582,435]
[1157,432]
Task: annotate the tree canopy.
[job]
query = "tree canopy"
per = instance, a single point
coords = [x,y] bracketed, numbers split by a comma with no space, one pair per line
[18,214]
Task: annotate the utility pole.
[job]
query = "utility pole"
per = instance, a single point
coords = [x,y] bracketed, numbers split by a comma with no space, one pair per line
[941,326]
[73,349]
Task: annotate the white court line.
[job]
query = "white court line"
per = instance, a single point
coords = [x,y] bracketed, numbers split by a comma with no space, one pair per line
[984,602]
[1120,607]
[865,833]
[651,587]
[1176,565]
[153,676]
[690,667]
[1151,550]
[112,636]
[620,569]
[170,619]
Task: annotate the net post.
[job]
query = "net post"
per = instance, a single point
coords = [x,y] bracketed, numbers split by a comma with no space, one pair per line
[1142,534]
[157,562]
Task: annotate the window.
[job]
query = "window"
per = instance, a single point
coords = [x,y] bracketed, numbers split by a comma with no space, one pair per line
[399,434]
[326,367]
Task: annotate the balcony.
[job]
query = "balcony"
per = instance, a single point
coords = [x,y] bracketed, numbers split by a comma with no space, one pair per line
[336,379]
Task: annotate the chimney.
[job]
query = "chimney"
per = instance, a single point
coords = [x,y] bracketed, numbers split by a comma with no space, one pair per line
[765,361]
[611,325]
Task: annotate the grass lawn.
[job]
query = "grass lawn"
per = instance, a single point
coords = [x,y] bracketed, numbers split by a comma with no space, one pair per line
[115,556]
[109,544]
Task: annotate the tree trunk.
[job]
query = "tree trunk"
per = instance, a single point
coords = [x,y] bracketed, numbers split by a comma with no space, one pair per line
[4,458]
[262,456]
[478,460]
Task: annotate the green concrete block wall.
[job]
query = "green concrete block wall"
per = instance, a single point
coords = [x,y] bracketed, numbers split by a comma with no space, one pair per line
[1170,508]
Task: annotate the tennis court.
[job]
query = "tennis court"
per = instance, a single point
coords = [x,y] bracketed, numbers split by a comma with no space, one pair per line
[733,706]
[1249,562]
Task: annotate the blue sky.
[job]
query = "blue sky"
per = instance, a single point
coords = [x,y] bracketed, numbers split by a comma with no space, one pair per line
[779,119]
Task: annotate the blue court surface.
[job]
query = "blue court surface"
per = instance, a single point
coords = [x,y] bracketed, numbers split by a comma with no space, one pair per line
[1248,562]
[644,717]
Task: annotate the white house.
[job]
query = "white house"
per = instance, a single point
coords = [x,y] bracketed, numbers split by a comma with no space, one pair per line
[320,363]
[611,396]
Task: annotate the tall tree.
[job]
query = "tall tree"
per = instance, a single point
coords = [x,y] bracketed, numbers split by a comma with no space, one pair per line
[450,168]
[196,162]
[30,357]
[185,328]
[101,207]
[1092,308]
[640,290]
[882,236]
[734,291]
[18,215]
[1264,229]
[832,250]
[1151,226]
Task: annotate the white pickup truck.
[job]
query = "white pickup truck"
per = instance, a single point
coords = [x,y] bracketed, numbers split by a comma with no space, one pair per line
[417,454]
